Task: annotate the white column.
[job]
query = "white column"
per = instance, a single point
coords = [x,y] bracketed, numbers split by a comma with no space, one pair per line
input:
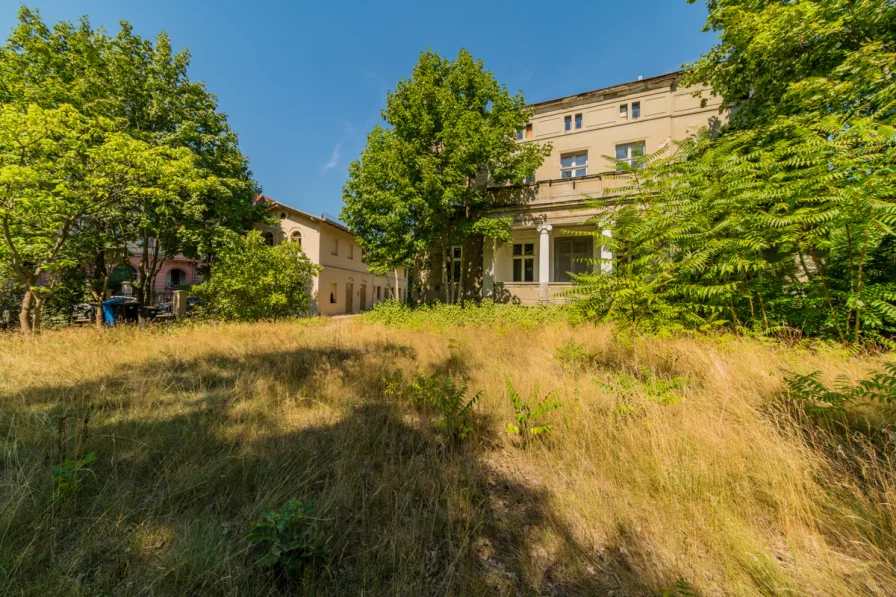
[606,267]
[544,261]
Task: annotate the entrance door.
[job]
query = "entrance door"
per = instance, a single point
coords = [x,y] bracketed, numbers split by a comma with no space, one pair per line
[363,297]
[349,295]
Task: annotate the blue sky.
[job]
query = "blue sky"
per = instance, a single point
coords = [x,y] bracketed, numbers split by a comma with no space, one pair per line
[303,82]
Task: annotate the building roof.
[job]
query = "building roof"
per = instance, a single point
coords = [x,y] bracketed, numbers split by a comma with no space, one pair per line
[619,89]
[325,218]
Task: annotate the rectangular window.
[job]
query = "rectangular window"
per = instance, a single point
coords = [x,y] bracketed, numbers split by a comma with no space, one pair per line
[335,250]
[578,121]
[524,133]
[623,112]
[528,131]
[453,264]
[572,256]
[351,251]
[630,152]
[379,293]
[530,179]
[567,123]
[519,135]
[524,262]
[573,165]
[334,292]
[636,110]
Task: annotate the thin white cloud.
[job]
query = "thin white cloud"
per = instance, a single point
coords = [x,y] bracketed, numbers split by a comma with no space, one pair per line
[334,159]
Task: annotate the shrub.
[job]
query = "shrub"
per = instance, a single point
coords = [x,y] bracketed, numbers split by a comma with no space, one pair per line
[288,538]
[527,418]
[627,387]
[448,396]
[250,280]
[441,316]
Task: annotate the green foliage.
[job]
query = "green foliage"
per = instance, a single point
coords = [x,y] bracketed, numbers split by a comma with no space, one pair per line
[784,220]
[288,539]
[528,414]
[681,588]
[120,149]
[449,398]
[628,388]
[251,280]
[832,52]
[573,356]
[421,181]
[440,316]
[66,476]
[878,390]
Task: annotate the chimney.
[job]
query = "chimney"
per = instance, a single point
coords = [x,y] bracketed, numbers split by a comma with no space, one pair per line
[640,77]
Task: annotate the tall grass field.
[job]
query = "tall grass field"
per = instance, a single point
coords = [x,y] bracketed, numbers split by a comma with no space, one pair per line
[348,457]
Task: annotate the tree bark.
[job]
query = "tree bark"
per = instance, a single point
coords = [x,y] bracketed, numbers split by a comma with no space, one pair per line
[25,314]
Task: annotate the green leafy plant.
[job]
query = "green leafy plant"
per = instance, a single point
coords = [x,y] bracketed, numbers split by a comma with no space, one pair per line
[528,414]
[66,476]
[647,384]
[251,280]
[287,539]
[573,356]
[449,397]
[393,383]
[879,389]
[439,316]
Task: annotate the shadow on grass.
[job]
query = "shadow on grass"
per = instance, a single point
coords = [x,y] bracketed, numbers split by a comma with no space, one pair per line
[168,503]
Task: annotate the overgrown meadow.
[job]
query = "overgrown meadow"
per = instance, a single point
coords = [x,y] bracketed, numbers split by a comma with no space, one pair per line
[509,453]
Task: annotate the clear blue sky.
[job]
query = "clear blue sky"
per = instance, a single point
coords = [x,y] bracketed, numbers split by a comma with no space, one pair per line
[303,82]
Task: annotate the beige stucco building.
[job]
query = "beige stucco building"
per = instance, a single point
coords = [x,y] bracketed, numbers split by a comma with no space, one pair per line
[344,285]
[625,121]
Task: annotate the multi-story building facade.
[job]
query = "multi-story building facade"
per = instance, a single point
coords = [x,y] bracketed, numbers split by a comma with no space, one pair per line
[344,285]
[624,121]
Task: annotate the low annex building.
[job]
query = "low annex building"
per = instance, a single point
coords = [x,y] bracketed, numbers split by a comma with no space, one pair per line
[344,285]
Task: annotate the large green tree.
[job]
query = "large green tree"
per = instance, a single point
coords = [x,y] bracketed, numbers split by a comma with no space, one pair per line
[787,218]
[143,89]
[422,181]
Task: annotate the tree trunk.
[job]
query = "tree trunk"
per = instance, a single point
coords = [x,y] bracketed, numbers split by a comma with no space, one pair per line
[463,270]
[35,314]
[25,314]
[445,265]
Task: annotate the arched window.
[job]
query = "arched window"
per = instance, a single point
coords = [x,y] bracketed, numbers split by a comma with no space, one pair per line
[269,238]
[296,237]
[176,277]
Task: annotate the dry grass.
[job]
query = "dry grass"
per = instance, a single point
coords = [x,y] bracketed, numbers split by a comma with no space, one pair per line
[197,429]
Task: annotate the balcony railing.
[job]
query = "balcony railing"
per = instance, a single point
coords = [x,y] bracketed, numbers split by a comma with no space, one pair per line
[558,190]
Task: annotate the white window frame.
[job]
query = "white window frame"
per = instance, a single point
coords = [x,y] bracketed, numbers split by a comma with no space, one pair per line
[623,112]
[572,169]
[628,152]
[522,258]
